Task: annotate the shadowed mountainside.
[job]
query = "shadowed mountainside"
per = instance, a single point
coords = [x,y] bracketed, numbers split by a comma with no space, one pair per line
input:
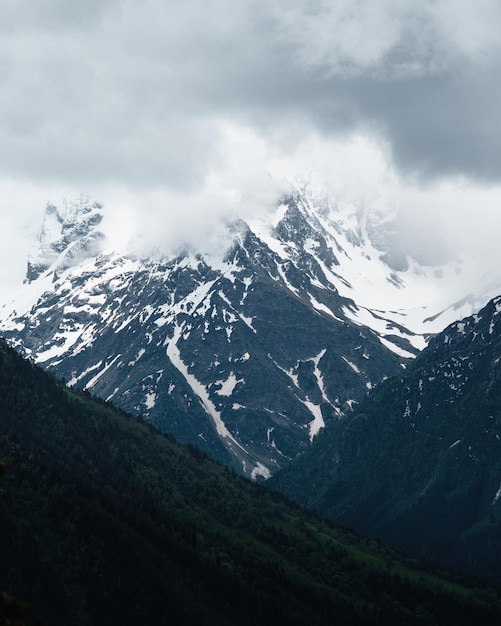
[418,464]
[105,521]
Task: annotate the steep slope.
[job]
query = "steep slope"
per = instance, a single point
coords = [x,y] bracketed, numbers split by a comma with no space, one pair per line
[419,463]
[105,521]
[68,235]
[248,352]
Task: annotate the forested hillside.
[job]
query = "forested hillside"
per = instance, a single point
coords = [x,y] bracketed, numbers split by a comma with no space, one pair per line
[418,464]
[105,521]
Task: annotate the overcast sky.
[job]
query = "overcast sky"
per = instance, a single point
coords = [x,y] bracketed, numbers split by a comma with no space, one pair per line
[175,112]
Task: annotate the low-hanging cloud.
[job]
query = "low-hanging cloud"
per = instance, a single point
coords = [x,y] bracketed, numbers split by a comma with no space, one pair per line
[135,93]
[174,114]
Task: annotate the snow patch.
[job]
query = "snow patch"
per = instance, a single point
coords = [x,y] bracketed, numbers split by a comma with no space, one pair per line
[290,373]
[109,398]
[260,470]
[497,496]
[248,321]
[74,381]
[318,421]
[352,365]
[94,380]
[396,349]
[138,356]
[228,386]
[198,389]
[150,400]
[318,374]
[318,306]
[62,343]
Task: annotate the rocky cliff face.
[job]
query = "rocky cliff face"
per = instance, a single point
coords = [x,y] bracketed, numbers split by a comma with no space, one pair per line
[247,353]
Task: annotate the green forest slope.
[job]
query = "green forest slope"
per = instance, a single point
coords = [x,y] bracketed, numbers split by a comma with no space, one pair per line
[105,521]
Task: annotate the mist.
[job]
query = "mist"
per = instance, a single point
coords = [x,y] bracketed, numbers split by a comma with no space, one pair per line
[176,116]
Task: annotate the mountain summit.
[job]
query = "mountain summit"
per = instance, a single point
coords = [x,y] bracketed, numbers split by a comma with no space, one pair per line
[248,352]
[68,235]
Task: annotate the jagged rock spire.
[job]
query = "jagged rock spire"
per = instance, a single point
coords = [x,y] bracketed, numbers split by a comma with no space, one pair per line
[67,235]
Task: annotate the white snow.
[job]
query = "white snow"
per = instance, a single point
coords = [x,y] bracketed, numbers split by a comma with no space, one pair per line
[124,324]
[108,399]
[228,386]
[396,349]
[94,380]
[318,421]
[228,316]
[247,281]
[198,389]
[289,286]
[260,470]
[140,353]
[150,399]
[76,379]
[318,374]
[268,434]
[290,373]
[322,307]
[263,231]
[248,322]
[352,365]
[69,338]
[384,328]
[497,496]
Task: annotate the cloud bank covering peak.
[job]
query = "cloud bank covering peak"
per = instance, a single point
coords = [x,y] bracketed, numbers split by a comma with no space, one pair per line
[118,91]
[175,114]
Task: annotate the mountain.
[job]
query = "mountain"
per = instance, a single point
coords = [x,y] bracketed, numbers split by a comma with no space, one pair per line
[105,521]
[418,464]
[247,351]
[67,236]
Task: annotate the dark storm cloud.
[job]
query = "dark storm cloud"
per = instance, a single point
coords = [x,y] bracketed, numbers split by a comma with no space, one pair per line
[443,125]
[136,93]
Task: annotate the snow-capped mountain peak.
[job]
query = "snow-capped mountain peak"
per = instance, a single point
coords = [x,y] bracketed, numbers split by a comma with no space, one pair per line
[247,351]
[67,235]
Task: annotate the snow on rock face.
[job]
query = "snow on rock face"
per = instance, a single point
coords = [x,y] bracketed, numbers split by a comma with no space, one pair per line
[281,333]
[68,235]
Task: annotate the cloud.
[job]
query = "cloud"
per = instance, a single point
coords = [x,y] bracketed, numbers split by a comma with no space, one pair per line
[136,93]
[173,112]
[238,185]
[344,38]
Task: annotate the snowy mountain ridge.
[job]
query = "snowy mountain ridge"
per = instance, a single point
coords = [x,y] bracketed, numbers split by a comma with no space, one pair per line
[249,352]
[68,235]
